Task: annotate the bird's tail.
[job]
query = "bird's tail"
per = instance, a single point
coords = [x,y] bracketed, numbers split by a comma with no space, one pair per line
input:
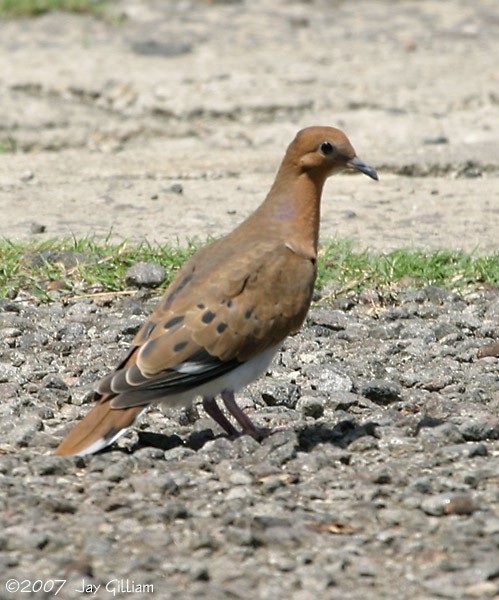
[99,428]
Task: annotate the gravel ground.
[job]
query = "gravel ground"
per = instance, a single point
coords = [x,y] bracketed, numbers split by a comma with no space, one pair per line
[383,483]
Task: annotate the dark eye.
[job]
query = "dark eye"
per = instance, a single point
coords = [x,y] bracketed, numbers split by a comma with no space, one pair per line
[327,148]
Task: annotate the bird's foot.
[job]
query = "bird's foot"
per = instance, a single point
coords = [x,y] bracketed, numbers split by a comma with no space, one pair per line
[247,426]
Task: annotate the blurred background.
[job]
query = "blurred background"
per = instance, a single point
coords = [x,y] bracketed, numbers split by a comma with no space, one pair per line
[167,120]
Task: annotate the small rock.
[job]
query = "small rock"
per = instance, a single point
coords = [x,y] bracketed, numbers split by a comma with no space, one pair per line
[480,429]
[8,373]
[382,392]
[176,188]
[482,589]
[49,465]
[381,475]
[325,379]
[458,451]
[278,448]
[153,47]
[281,393]
[37,228]
[53,381]
[438,139]
[145,275]
[336,320]
[24,431]
[27,176]
[69,331]
[488,350]
[448,504]
[311,406]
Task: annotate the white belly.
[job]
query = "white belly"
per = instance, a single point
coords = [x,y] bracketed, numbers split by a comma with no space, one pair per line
[234,380]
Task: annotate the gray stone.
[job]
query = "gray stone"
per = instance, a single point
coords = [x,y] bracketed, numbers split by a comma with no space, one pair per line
[311,406]
[382,392]
[280,393]
[448,504]
[480,428]
[145,275]
[327,380]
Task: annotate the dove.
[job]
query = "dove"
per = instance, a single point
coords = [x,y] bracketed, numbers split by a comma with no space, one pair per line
[229,307]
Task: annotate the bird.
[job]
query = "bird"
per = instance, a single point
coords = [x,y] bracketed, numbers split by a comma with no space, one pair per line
[227,311]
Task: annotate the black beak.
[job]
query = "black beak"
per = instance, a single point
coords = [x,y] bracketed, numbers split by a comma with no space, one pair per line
[361,166]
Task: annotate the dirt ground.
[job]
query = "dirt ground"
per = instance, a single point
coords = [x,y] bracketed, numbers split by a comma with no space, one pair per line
[169,123]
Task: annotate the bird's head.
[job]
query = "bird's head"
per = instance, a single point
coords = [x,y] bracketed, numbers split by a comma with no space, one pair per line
[321,151]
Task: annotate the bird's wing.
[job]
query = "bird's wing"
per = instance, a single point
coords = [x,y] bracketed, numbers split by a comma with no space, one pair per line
[212,320]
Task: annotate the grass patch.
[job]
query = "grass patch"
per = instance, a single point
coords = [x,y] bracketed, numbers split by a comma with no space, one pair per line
[71,267]
[33,8]
[350,269]
[66,268]
[8,145]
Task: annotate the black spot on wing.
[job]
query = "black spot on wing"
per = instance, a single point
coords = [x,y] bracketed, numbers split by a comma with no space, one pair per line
[172,322]
[208,317]
[221,327]
[175,292]
[147,329]
[179,346]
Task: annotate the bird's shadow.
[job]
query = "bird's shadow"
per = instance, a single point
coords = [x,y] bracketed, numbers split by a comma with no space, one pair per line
[341,435]
[195,441]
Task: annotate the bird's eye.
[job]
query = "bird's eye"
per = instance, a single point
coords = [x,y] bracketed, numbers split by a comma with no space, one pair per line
[327,148]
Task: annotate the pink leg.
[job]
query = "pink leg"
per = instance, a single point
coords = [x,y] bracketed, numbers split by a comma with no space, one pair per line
[249,428]
[211,407]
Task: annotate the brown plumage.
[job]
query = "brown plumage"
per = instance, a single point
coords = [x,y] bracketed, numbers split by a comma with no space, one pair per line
[230,306]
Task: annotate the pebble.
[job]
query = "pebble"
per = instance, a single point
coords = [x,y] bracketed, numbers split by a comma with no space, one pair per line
[281,393]
[480,428]
[37,228]
[144,274]
[382,392]
[327,380]
[311,406]
[448,504]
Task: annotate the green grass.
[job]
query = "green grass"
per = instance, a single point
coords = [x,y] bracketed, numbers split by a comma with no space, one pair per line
[33,8]
[8,145]
[71,267]
[66,268]
[353,269]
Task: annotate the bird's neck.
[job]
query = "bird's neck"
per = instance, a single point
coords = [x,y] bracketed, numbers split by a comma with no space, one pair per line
[292,210]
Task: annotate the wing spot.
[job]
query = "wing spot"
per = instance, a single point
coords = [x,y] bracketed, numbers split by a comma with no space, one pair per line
[221,327]
[179,346]
[169,299]
[172,322]
[208,317]
[148,328]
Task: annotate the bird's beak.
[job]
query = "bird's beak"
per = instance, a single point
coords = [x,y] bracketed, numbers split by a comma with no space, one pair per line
[361,166]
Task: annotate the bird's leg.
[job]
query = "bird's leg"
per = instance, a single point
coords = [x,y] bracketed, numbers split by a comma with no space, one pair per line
[211,407]
[249,428]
